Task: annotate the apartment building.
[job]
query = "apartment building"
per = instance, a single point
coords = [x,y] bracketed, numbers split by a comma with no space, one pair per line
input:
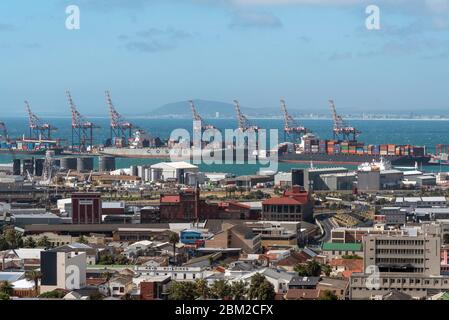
[408,262]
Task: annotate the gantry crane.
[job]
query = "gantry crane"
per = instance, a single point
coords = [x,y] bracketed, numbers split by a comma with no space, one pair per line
[120,128]
[341,129]
[242,121]
[38,128]
[82,129]
[291,128]
[197,118]
[4,136]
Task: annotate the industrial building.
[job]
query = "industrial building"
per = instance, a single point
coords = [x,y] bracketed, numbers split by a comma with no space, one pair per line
[311,178]
[421,202]
[283,179]
[172,171]
[339,181]
[379,180]
[394,216]
[86,208]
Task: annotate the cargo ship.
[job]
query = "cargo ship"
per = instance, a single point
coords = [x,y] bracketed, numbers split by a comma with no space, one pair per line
[311,148]
[25,146]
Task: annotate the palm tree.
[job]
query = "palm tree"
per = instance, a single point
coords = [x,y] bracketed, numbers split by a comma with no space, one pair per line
[6,288]
[174,239]
[43,242]
[221,289]
[107,275]
[34,276]
[239,290]
[326,269]
[202,289]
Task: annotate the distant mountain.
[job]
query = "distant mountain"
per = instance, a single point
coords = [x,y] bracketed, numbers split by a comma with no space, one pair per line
[209,109]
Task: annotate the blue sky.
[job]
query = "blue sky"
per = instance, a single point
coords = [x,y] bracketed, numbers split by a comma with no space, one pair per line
[152,52]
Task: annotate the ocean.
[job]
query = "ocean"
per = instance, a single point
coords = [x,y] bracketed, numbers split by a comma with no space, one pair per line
[427,133]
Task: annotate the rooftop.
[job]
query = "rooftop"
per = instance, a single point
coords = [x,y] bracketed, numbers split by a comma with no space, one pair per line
[332,246]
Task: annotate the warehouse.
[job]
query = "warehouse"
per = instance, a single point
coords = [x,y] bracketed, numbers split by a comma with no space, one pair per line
[175,171]
[312,177]
[339,181]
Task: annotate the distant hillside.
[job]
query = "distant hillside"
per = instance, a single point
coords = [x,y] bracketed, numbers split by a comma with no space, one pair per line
[208,109]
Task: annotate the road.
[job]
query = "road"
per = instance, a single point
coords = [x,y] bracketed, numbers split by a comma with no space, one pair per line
[327,225]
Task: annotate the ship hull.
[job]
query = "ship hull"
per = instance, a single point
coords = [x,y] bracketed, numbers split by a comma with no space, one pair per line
[351,159]
[30,152]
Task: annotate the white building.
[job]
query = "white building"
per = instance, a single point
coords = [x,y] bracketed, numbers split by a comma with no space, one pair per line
[175,171]
[175,273]
[62,270]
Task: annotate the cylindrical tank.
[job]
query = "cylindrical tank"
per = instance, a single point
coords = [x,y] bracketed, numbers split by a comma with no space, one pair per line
[84,164]
[16,167]
[147,175]
[156,174]
[106,163]
[28,166]
[134,171]
[68,163]
[39,167]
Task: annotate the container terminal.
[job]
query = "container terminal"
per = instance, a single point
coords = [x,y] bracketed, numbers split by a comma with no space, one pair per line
[127,140]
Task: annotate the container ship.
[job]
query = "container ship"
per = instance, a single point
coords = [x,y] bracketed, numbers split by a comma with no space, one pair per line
[303,146]
[350,152]
[344,148]
[30,147]
[38,142]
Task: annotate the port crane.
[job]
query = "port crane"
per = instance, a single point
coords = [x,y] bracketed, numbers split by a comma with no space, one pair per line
[4,132]
[243,122]
[38,128]
[82,129]
[340,127]
[120,128]
[291,128]
[198,118]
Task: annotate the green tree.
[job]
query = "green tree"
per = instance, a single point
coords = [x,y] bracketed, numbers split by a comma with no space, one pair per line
[238,290]
[266,291]
[13,238]
[121,260]
[182,291]
[301,270]
[260,288]
[55,294]
[311,269]
[106,259]
[328,295]
[6,287]
[4,245]
[29,243]
[96,296]
[202,289]
[43,242]
[221,289]
[4,296]
[34,276]
[174,239]
[82,239]
[327,269]
[107,276]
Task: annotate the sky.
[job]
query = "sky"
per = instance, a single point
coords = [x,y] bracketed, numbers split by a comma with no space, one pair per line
[153,52]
